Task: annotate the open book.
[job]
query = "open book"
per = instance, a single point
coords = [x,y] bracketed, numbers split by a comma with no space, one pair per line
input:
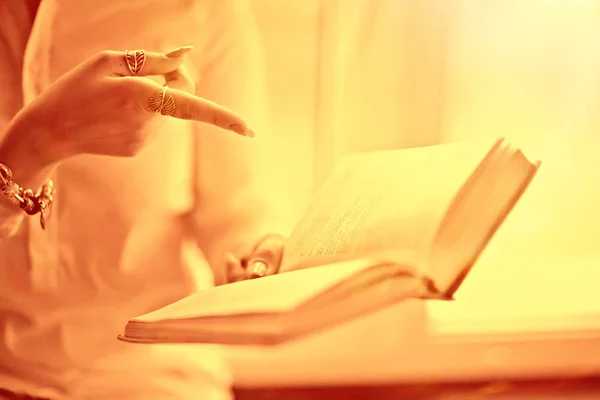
[386,226]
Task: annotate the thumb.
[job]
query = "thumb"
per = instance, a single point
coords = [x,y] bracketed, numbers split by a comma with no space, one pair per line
[266,257]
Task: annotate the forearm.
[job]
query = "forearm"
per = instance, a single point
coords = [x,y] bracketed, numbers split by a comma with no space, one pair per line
[19,145]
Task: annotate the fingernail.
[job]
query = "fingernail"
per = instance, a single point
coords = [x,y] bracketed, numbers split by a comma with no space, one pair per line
[257,269]
[241,130]
[178,52]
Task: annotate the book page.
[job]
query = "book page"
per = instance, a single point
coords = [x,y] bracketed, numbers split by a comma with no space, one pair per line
[382,201]
[475,214]
[271,294]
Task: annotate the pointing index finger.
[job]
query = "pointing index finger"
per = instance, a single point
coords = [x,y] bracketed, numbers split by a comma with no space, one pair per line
[179,104]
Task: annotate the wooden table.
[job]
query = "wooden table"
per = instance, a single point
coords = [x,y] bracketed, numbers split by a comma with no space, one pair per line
[580,388]
[560,364]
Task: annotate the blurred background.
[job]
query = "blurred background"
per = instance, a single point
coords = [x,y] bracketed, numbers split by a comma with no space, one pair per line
[360,75]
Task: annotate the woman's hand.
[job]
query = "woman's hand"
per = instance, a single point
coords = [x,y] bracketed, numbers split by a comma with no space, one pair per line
[99,108]
[264,259]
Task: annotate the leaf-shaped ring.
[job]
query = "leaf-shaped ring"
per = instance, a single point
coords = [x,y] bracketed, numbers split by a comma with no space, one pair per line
[135,60]
[162,103]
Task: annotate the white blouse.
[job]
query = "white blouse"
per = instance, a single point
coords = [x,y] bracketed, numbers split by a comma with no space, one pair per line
[112,247]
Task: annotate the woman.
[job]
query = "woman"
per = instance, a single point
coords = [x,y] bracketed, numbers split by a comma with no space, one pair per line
[127,185]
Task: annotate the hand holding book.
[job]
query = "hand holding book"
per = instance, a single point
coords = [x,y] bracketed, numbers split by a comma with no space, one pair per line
[386,227]
[263,260]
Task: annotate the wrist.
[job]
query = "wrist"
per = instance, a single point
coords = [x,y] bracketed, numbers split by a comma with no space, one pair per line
[26,153]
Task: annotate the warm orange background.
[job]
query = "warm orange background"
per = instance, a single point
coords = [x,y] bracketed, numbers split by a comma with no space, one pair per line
[363,75]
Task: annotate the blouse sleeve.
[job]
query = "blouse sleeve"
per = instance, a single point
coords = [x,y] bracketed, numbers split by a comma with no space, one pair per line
[16,20]
[237,199]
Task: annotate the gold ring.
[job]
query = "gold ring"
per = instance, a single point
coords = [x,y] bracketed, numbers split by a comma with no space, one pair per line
[162,103]
[135,60]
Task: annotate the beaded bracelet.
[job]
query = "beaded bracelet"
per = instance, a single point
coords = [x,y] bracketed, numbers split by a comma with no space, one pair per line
[30,202]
